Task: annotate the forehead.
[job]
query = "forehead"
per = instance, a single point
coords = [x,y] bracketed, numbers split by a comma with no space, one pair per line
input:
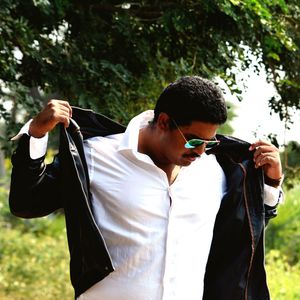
[202,130]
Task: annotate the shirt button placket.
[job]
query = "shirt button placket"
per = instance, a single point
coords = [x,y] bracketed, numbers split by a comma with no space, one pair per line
[170,256]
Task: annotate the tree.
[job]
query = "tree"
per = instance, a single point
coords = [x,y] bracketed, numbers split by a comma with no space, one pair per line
[116,56]
[291,164]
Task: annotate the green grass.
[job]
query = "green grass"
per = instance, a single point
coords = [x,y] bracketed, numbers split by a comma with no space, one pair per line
[34,259]
[34,267]
[283,249]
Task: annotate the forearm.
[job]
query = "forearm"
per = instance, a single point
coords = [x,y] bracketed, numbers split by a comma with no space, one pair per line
[34,188]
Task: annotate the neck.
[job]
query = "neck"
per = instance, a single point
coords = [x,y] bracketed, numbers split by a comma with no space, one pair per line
[149,144]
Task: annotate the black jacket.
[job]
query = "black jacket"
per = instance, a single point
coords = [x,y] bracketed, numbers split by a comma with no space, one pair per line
[235,268]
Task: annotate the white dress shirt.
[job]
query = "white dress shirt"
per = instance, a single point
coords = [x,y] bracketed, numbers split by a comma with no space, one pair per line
[158,235]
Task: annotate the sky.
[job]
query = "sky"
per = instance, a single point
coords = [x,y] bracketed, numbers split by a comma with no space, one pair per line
[254,119]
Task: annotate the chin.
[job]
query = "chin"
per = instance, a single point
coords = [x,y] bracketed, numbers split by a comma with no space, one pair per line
[184,163]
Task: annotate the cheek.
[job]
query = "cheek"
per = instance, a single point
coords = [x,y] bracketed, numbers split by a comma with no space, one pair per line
[172,149]
[173,145]
[179,151]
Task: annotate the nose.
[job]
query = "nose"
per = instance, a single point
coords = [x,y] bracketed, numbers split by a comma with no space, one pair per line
[200,149]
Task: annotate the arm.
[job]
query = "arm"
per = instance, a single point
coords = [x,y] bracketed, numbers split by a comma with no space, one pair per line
[35,188]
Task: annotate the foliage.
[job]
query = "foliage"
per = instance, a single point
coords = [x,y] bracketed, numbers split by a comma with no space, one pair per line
[115,57]
[283,232]
[226,128]
[283,249]
[34,267]
[290,158]
[283,278]
[33,258]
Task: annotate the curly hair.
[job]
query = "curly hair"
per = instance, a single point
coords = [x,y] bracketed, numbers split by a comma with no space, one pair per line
[192,98]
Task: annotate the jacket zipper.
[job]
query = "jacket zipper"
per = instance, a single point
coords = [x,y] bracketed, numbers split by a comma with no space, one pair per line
[251,229]
[250,225]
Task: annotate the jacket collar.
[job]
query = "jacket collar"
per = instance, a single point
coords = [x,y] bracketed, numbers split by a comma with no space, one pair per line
[233,147]
[93,124]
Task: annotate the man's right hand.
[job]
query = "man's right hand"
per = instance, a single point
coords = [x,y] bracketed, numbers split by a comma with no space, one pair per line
[56,111]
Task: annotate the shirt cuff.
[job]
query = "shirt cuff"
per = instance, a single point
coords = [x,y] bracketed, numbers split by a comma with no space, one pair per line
[37,146]
[273,196]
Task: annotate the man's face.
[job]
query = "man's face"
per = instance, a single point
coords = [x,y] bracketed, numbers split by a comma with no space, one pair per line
[173,142]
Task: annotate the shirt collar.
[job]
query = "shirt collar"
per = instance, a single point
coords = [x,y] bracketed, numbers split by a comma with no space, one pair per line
[130,138]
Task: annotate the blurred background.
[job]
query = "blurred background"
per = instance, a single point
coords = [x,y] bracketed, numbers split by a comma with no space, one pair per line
[115,57]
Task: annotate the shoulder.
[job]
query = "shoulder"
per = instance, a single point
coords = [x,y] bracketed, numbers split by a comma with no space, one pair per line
[104,143]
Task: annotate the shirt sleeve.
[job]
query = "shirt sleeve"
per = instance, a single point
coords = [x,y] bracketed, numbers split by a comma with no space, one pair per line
[272,196]
[37,146]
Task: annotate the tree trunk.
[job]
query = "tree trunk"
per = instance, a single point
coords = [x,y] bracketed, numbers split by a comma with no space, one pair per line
[2,169]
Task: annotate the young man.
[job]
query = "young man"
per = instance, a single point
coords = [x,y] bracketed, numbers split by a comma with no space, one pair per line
[163,209]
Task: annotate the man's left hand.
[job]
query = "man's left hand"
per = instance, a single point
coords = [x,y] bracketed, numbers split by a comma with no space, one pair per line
[266,155]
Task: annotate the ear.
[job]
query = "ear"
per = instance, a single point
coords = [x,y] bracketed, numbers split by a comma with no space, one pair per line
[163,121]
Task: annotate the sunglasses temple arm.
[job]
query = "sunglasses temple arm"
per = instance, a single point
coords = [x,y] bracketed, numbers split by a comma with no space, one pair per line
[180,132]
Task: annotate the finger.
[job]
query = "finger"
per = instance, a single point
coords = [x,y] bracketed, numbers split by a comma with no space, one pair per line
[66,110]
[66,105]
[62,115]
[259,143]
[271,165]
[66,122]
[54,104]
[264,159]
[53,113]
[264,149]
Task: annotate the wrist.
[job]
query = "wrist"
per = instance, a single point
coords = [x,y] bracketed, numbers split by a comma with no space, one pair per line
[274,182]
[35,133]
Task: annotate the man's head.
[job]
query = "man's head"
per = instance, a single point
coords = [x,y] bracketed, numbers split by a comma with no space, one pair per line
[192,98]
[186,118]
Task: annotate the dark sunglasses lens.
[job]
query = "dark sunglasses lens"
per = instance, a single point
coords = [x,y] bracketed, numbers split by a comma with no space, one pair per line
[195,143]
[212,144]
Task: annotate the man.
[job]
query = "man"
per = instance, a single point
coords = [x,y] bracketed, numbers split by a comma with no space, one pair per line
[163,209]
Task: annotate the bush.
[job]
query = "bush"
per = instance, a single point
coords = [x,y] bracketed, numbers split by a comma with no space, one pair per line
[34,267]
[34,260]
[283,249]
[283,232]
[283,279]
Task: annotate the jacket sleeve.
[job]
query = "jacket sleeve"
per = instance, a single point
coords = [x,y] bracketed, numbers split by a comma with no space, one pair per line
[272,198]
[270,213]
[35,186]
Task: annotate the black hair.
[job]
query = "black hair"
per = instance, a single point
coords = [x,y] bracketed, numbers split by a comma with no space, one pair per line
[192,98]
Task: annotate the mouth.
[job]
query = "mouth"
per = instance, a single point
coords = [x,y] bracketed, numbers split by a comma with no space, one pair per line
[191,157]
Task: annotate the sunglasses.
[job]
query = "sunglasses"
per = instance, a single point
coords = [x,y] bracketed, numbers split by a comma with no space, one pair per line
[194,143]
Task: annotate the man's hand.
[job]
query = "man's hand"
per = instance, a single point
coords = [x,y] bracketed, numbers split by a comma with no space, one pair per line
[56,111]
[266,155]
